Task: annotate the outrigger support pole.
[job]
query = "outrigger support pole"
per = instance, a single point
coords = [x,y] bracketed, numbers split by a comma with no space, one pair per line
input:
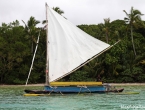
[54,89]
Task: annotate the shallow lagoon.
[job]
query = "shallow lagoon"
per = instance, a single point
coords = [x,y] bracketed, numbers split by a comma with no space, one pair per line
[11,98]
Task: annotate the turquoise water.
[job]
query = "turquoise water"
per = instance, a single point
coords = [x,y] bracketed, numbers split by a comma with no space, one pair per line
[11,98]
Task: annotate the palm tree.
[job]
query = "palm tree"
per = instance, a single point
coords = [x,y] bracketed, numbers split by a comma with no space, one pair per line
[58,10]
[106,28]
[133,18]
[31,29]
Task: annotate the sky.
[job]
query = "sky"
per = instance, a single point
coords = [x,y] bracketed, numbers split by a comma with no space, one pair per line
[76,11]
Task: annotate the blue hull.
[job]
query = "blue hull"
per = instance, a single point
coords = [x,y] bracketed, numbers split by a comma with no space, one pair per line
[76,89]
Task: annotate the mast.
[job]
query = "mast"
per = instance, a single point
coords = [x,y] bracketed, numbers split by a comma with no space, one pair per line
[47,54]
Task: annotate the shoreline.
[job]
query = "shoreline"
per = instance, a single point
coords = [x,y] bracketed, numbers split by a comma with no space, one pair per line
[127,84]
[113,84]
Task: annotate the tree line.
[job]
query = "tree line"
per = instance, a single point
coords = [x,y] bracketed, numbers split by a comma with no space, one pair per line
[124,62]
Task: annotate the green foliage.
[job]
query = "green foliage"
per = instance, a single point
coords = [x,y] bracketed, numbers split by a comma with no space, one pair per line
[135,74]
[79,76]
[121,63]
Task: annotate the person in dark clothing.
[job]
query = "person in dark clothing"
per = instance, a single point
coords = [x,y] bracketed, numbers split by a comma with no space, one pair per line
[98,78]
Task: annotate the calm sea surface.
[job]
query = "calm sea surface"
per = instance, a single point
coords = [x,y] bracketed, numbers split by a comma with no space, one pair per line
[11,98]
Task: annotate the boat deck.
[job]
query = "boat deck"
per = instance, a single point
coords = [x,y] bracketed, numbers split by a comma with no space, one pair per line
[76,83]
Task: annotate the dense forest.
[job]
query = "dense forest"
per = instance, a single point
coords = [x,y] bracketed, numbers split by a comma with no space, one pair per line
[124,62]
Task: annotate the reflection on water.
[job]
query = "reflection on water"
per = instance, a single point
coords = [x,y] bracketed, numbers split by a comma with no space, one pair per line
[11,98]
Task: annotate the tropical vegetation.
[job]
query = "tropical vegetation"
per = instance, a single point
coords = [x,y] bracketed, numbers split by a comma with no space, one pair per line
[124,62]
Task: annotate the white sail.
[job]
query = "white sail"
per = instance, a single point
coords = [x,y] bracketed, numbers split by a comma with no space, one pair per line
[68,46]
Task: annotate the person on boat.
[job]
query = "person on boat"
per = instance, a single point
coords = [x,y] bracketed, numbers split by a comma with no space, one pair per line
[98,78]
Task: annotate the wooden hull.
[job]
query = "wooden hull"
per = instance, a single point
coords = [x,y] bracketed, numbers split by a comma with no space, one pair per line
[72,89]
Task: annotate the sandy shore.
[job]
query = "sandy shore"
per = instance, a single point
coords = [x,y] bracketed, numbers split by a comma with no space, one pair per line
[127,84]
[113,84]
[23,85]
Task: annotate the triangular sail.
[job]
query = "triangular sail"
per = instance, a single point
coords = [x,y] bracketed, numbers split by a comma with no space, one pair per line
[68,45]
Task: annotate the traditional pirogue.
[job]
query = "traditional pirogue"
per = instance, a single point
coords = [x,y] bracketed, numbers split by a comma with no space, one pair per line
[68,48]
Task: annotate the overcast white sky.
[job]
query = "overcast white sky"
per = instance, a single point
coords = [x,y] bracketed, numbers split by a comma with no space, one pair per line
[76,11]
